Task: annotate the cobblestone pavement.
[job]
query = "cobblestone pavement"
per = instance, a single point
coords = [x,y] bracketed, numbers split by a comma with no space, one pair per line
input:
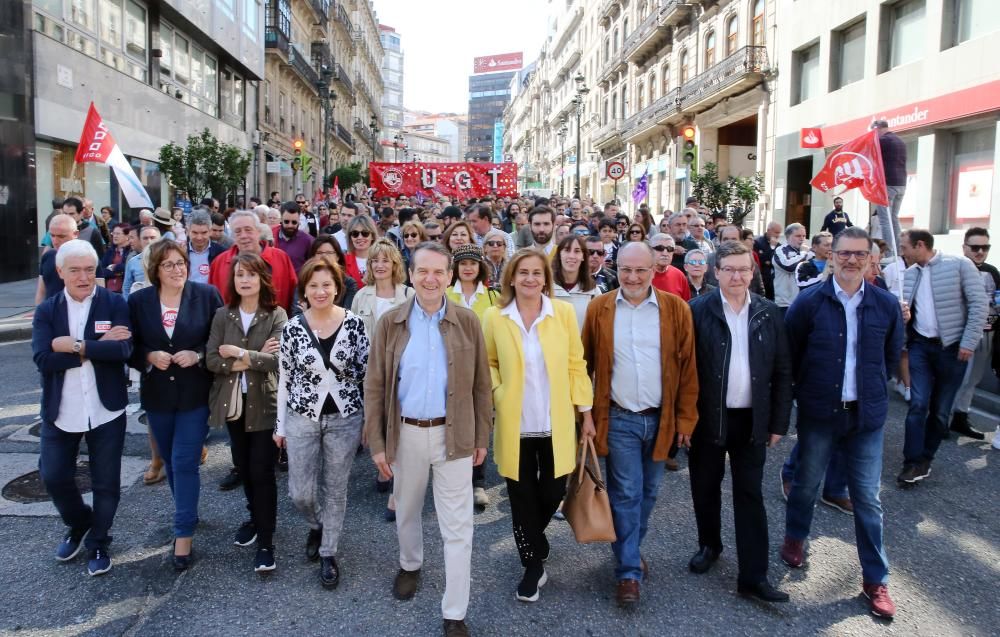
[943,539]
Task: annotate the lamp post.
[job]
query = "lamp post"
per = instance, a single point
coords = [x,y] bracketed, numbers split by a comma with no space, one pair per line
[397,141]
[527,162]
[563,131]
[578,101]
[325,96]
[373,127]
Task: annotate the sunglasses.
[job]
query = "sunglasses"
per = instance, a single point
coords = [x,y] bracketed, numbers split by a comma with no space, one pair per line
[360,233]
[495,244]
[698,262]
[433,237]
[664,248]
[411,235]
[289,222]
[301,203]
[635,231]
[982,248]
[595,253]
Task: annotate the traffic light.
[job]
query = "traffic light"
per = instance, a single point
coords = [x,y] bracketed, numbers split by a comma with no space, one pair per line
[689,150]
[297,161]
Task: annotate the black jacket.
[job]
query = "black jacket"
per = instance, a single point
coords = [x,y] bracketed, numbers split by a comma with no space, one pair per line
[770,368]
[176,388]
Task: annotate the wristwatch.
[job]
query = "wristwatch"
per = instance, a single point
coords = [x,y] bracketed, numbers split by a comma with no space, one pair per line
[241,354]
[77,346]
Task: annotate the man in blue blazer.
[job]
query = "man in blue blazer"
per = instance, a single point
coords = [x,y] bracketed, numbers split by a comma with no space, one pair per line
[81,340]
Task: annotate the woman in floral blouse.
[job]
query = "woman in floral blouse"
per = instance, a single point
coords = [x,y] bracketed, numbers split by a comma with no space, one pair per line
[322,364]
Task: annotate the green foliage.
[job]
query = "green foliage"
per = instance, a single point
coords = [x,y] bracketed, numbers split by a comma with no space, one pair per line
[736,196]
[349,175]
[205,166]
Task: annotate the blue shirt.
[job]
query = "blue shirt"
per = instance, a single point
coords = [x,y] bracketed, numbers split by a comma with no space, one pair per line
[423,367]
[849,390]
[133,273]
[50,276]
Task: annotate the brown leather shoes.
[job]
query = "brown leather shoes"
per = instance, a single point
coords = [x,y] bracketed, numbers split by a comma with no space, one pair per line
[671,464]
[405,586]
[628,593]
[455,628]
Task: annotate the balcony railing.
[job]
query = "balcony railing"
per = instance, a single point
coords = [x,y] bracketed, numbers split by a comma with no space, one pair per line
[653,23]
[340,75]
[344,134]
[275,38]
[746,61]
[363,88]
[611,67]
[301,65]
[654,113]
[322,9]
[342,17]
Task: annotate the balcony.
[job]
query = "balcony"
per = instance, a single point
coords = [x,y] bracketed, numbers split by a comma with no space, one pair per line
[298,61]
[363,131]
[364,90]
[732,75]
[275,38]
[341,16]
[612,68]
[673,12]
[610,9]
[344,135]
[321,8]
[341,75]
[659,112]
[652,35]
[609,134]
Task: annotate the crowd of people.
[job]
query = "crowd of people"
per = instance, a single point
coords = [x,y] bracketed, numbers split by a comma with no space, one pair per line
[443,335]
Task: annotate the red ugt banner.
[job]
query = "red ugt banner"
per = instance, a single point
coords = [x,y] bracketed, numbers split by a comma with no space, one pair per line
[436,179]
[856,164]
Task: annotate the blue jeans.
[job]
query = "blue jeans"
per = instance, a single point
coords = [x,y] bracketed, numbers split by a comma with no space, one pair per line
[835,481]
[57,466]
[888,217]
[936,375]
[863,462]
[180,436]
[633,481]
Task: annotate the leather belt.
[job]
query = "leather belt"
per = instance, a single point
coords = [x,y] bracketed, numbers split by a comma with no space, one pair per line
[849,406]
[424,423]
[645,412]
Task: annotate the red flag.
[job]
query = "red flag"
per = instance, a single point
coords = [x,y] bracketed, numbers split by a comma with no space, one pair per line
[96,142]
[856,164]
[811,138]
[335,191]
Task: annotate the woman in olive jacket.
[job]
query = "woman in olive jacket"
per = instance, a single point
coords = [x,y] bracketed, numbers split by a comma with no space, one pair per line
[242,353]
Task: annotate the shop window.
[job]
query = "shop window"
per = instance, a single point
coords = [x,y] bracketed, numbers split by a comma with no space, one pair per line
[972,177]
[848,58]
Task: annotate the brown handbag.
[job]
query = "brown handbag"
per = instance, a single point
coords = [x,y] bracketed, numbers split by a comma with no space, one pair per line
[587,508]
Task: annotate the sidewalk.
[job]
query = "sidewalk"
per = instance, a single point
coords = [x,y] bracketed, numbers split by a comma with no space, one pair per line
[17,305]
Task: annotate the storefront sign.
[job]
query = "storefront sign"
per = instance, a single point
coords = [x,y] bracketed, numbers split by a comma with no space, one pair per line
[971,101]
[974,189]
[498,63]
[434,179]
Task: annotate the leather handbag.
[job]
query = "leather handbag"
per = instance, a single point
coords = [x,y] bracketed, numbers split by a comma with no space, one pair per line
[236,400]
[587,507]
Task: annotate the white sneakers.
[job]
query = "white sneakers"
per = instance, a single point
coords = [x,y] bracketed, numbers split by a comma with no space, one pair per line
[901,389]
[996,438]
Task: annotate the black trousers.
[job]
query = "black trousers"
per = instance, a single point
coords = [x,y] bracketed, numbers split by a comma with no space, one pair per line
[255,455]
[479,475]
[534,498]
[707,466]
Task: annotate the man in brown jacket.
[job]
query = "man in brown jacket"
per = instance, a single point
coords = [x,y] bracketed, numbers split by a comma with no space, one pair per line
[429,407]
[639,346]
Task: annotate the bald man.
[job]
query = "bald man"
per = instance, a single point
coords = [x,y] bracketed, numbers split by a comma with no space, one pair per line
[62,228]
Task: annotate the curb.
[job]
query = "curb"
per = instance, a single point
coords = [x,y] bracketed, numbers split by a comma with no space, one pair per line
[9,333]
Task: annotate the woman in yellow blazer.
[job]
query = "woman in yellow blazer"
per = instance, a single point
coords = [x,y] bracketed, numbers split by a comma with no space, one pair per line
[539,374]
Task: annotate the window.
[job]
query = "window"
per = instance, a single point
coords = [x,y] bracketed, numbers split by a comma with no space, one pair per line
[624,102]
[757,24]
[732,35]
[805,73]
[187,71]
[614,41]
[111,22]
[652,86]
[135,30]
[122,34]
[82,13]
[974,18]
[684,66]
[665,79]
[624,29]
[710,49]
[250,19]
[604,112]
[906,28]
[849,55]
[607,50]
[267,102]
[640,93]
[972,177]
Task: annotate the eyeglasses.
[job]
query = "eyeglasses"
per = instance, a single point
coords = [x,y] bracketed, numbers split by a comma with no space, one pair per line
[360,233]
[635,232]
[495,244]
[301,203]
[698,262]
[170,266]
[845,255]
[289,222]
[983,248]
[411,235]
[731,271]
[596,253]
[662,248]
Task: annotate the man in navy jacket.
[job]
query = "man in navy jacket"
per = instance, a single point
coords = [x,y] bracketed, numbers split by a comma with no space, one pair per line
[81,340]
[844,336]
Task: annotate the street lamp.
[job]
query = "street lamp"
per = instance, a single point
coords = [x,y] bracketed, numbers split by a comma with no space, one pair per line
[563,131]
[527,161]
[373,127]
[397,141]
[327,99]
[581,93]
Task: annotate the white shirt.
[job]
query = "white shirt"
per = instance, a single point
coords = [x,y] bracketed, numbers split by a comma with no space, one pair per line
[849,389]
[468,302]
[80,407]
[341,238]
[636,378]
[168,317]
[536,413]
[738,392]
[362,264]
[382,306]
[923,301]
[246,319]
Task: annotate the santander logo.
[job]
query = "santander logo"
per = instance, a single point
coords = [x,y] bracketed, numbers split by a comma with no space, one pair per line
[810,138]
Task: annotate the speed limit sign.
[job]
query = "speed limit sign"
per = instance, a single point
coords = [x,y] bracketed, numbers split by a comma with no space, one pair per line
[616,170]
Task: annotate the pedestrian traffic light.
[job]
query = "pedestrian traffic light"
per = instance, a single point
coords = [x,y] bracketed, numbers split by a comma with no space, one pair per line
[689,153]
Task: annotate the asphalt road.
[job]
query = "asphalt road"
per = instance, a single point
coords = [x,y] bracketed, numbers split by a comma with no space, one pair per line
[943,539]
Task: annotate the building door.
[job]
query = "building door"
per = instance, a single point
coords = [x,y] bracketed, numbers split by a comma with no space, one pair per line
[798,198]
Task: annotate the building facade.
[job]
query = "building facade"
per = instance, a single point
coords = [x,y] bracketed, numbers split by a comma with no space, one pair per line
[368,84]
[489,94]
[448,126]
[392,79]
[424,147]
[927,67]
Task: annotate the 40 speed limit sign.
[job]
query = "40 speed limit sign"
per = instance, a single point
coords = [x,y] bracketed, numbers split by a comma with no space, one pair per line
[616,170]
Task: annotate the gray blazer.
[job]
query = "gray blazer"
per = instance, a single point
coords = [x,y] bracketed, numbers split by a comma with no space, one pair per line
[960,301]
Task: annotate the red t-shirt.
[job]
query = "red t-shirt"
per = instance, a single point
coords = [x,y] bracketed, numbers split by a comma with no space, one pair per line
[673,281]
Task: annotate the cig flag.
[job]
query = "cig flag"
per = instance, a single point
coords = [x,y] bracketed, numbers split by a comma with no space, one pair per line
[98,146]
[856,164]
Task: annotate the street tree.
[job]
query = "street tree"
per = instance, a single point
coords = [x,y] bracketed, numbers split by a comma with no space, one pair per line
[205,166]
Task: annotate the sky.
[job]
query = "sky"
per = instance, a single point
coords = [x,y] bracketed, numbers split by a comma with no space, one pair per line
[440,39]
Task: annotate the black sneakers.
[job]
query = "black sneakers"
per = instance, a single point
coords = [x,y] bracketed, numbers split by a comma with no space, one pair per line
[264,561]
[71,545]
[246,534]
[231,481]
[329,572]
[313,540]
[914,473]
[534,579]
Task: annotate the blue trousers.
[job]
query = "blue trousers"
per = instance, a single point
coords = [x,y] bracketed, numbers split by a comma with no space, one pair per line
[57,466]
[180,436]
[936,375]
[633,482]
[863,462]
[835,481]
